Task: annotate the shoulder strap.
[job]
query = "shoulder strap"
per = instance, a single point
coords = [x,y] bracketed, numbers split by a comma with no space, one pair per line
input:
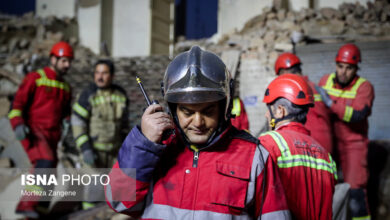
[241,134]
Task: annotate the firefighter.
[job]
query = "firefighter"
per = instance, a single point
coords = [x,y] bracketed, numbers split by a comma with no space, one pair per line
[350,97]
[40,105]
[207,169]
[240,119]
[307,170]
[318,119]
[99,117]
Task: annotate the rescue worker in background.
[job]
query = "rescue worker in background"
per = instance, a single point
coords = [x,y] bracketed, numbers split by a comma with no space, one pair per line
[318,119]
[40,105]
[350,97]
[307,170]
[207,169]
[240,119]
[99,117]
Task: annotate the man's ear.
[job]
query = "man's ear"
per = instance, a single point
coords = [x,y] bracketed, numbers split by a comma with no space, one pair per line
[281,112]
[53,60]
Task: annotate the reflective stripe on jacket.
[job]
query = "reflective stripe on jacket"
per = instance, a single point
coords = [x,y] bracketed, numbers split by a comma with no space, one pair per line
[352,106]
[307,170]
[240,121]
[226,182]
[42,100]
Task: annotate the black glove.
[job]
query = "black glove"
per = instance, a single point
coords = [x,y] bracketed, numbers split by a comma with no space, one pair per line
[324,96]
[89,156]
[21,132]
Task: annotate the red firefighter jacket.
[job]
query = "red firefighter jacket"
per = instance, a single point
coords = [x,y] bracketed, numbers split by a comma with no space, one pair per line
[319,120]
[42,100]
[222,181]
[307,170]
[352,106]
[241,120]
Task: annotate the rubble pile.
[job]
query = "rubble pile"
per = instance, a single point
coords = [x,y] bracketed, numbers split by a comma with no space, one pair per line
[28,38]
[276,29]
[26,42]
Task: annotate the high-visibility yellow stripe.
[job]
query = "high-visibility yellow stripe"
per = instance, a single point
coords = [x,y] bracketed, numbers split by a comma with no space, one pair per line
[317,98]
[14,113]
[104,99]
[368,217]
[287,160]
[42,73]
[88,205]
[44,81]
[117,98]
[348,113]
[282,144]
[80,110]
[52,83]
[81,140]
[236,110]
[349,94]
[333,166]
[103,146]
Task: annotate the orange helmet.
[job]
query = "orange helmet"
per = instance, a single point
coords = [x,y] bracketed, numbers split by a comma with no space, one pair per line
[291,87]
[285,61]
[349,53]
[62,49]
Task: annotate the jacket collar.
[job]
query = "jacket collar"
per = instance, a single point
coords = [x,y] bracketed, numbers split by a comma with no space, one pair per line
[217,139]
[338,86]
[294,126]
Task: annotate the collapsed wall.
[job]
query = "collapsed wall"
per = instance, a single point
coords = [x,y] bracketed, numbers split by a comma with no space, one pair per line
[277,30]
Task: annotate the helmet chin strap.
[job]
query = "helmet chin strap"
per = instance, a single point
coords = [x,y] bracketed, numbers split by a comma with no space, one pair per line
[274,121]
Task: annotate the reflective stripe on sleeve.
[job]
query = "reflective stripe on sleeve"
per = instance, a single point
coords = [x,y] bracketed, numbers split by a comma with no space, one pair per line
[14,113]
[348,113]
[81,140]
[80,110]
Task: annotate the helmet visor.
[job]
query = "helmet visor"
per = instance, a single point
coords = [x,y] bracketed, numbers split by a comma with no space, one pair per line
[195,87]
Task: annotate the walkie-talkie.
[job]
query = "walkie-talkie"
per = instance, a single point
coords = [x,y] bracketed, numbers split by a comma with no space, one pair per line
[167,132]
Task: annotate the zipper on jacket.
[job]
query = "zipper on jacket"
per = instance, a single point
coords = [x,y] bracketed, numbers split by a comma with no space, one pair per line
[195,161]
[196,156]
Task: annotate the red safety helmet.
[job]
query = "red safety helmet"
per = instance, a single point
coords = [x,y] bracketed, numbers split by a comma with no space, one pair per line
[349,53]
[62,49]
[291,87]
[285,61]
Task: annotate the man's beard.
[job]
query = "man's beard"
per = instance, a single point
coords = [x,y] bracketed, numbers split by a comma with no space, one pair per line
[345,84]
[62,71]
